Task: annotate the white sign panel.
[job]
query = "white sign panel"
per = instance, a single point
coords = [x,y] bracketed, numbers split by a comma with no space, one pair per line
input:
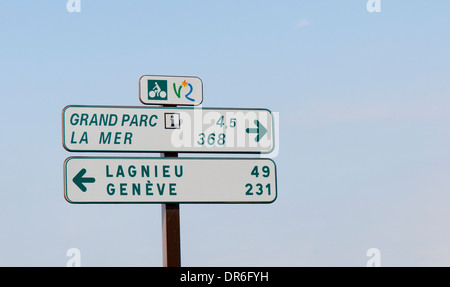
[164,180]
[157,129]
[170,90]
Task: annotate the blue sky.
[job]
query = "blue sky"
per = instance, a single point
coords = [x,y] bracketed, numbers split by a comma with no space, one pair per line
[364,106]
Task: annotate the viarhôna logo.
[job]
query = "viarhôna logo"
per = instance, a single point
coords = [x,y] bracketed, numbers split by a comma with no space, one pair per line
[186,88]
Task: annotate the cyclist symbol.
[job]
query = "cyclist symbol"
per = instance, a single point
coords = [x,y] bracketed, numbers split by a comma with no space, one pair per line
[156,92]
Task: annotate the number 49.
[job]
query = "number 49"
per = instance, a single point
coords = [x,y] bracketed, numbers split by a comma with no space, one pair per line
[265,171]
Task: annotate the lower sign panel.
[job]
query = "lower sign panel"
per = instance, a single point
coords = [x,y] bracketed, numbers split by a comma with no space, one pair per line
[164,180]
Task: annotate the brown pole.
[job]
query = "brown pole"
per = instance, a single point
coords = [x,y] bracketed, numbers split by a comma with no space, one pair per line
[171,235]
[170,215]
[171,229]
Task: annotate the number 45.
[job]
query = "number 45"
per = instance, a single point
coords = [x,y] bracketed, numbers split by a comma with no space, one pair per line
[220,122]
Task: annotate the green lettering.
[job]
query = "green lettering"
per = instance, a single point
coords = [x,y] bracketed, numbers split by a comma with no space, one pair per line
[103,119]
[103,139]
[74,119]
[111,122]
[120,171]
[134,121]
[148,188]
[136,189]
[123,188]
[161,190]
[110,189]
[84,118]
[72,141]
[132,170]
[145,171]
[125,118]
[127,138]
[84,138]
[93,120]
[255,171]
[166,170]
[117,138]
[107,171]
[177,93]
[144,119]
[151,120]
[180,172]
[172,188]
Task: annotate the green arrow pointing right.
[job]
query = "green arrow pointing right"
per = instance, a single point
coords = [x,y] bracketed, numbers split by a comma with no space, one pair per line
[79,180]
[260,131]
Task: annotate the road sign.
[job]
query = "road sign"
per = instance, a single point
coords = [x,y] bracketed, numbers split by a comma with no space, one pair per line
[170,90]
[157,129]
[169,180]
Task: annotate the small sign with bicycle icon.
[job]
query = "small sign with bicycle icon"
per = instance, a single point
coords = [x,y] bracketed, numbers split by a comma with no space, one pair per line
[159,91]
[170,90]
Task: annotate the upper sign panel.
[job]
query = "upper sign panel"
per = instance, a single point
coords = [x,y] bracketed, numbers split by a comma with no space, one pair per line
[170,90]
[158,129]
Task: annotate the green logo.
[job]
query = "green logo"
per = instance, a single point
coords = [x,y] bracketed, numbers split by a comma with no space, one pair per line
[157,90]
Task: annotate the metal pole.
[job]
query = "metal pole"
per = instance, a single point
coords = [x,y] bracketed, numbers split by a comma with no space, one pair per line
[171,235]
[170,213]
[171,229]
